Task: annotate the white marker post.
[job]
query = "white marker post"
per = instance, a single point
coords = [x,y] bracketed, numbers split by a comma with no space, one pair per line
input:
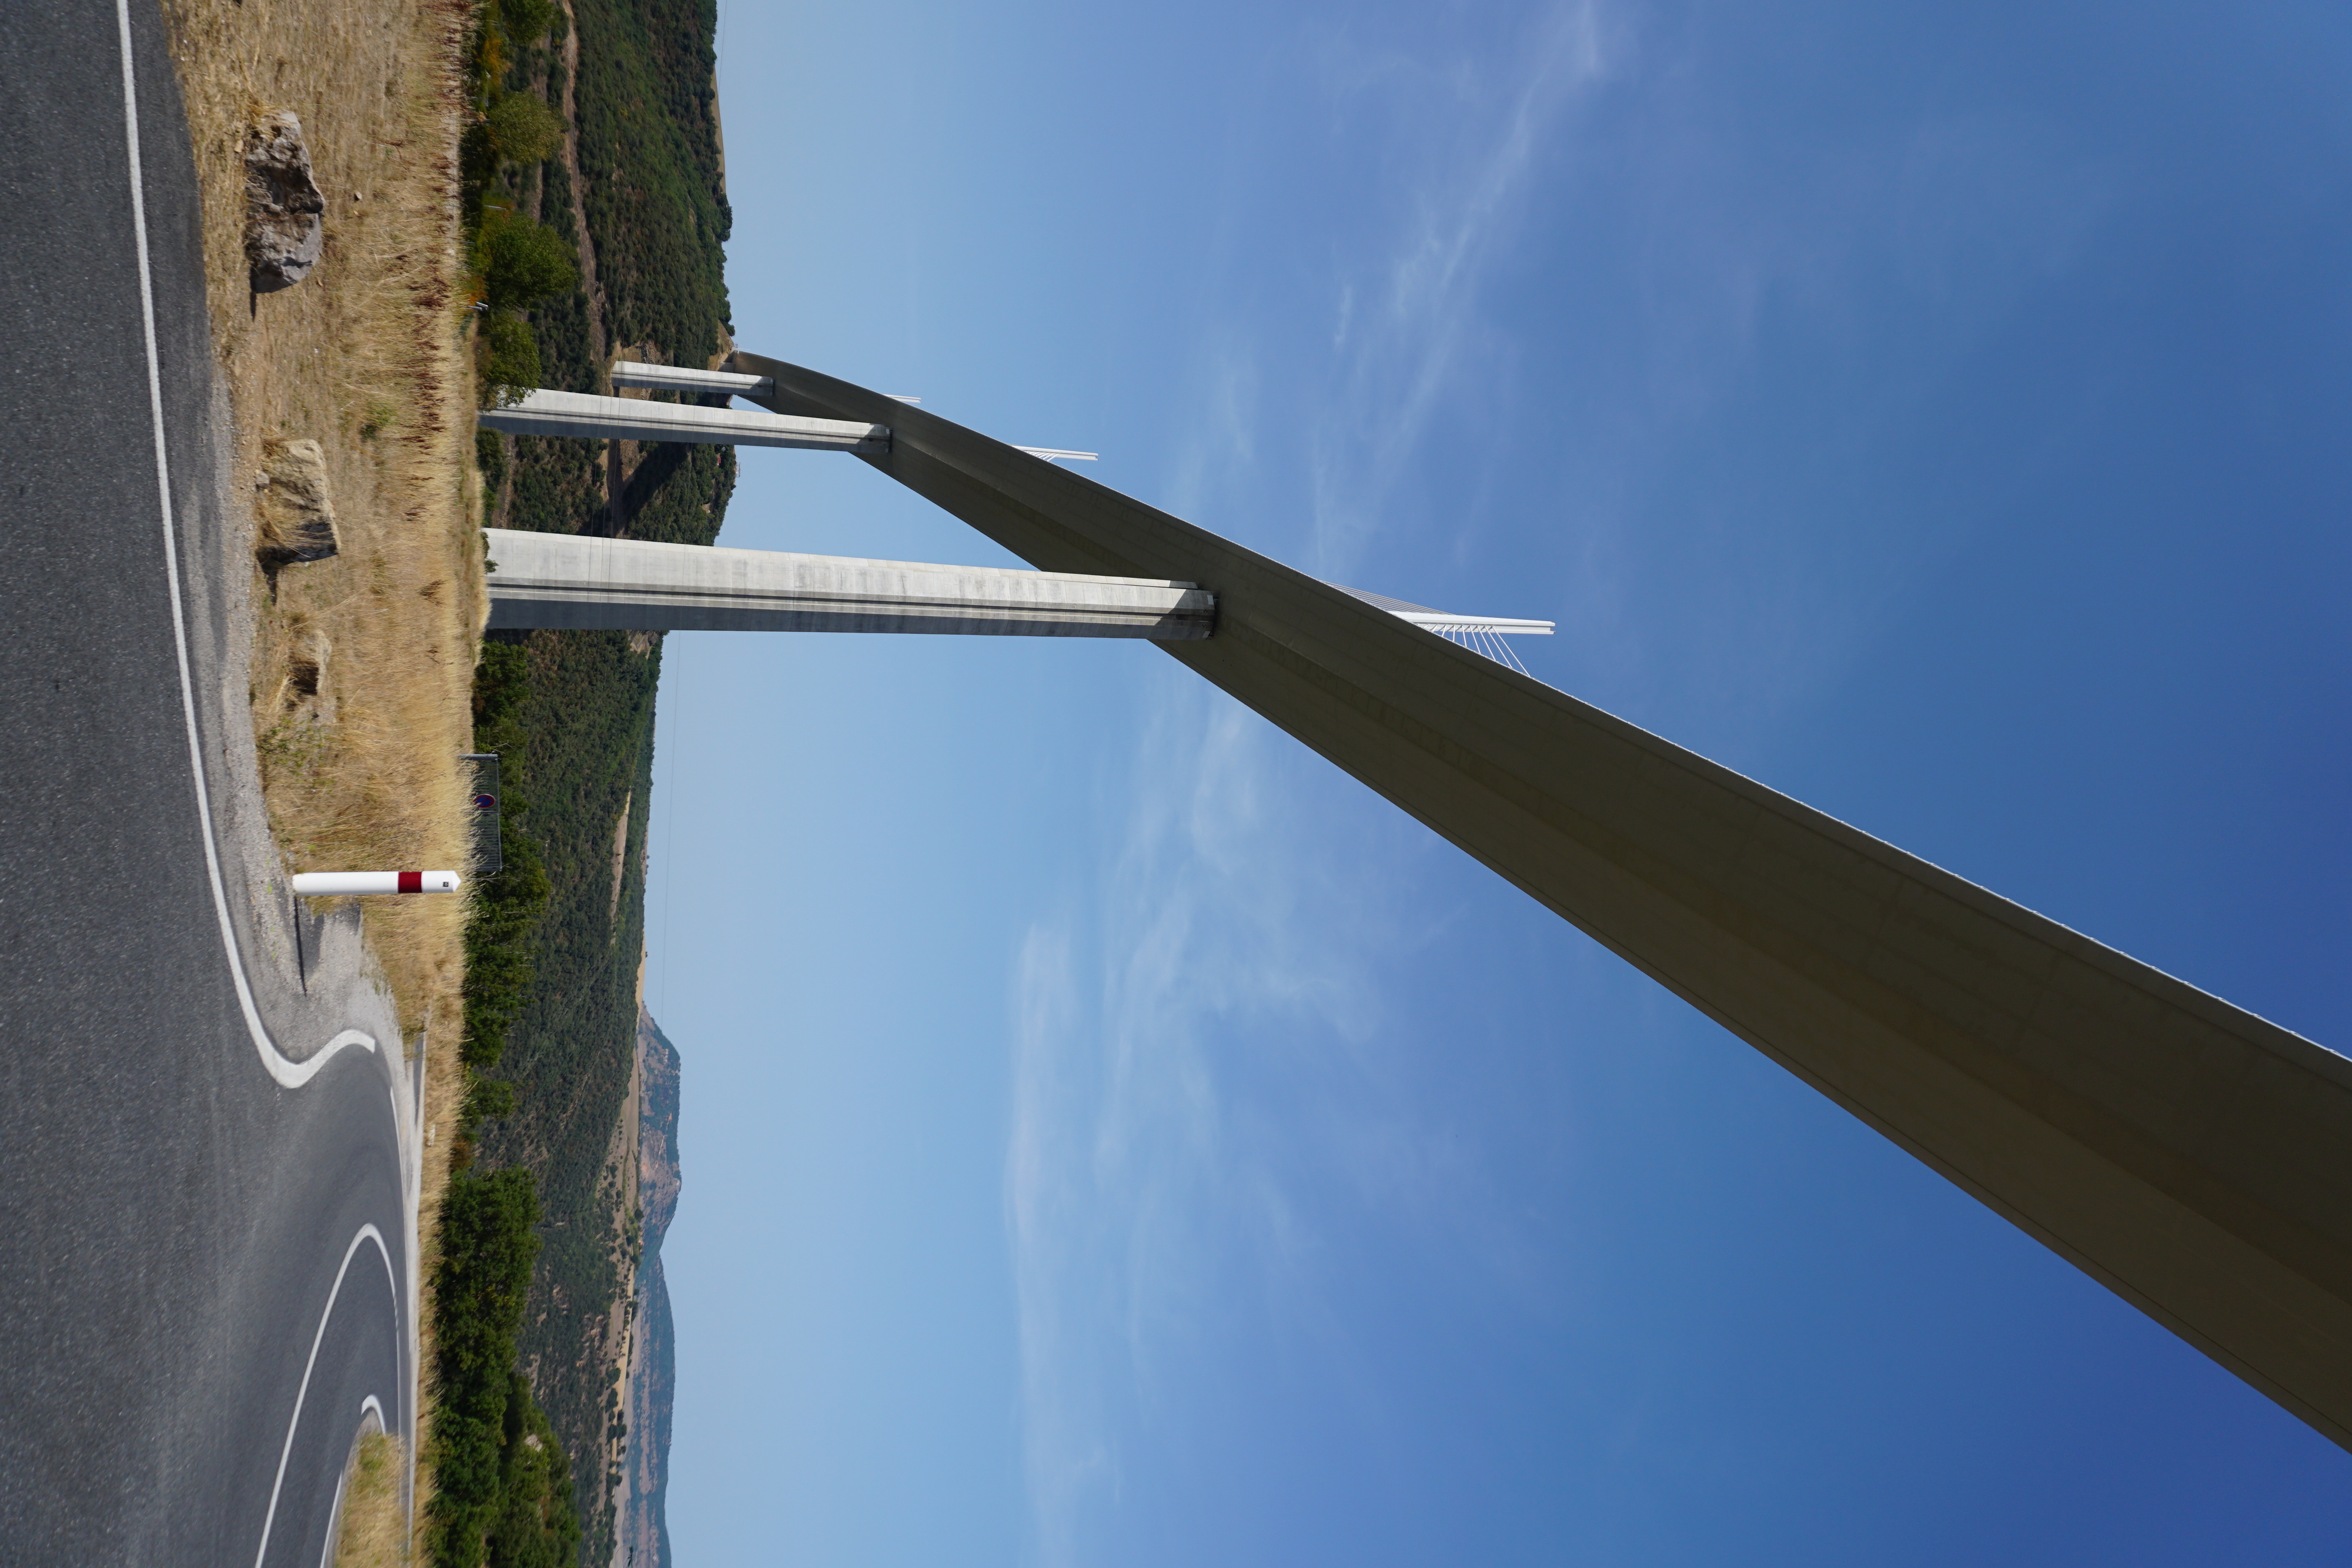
[332,883]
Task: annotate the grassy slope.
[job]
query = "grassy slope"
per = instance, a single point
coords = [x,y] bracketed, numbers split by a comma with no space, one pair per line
[648,148]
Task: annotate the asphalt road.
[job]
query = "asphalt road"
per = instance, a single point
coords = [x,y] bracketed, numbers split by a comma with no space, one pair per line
[204,1225]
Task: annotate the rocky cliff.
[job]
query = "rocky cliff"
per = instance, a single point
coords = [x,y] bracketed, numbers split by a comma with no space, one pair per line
[641,1529]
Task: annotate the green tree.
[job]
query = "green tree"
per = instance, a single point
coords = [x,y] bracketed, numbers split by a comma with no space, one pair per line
[536,1526]
[525,21]
[502,934]
[487,1248]
[507,358]
[523,129]
[522,262]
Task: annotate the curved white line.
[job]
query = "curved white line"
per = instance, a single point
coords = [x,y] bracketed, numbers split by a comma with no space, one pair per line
[294,1075]
[366,1233]
[288,1072]
[368,1407]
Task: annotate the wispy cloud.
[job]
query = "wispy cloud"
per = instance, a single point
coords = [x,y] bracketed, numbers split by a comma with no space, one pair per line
[1393,350]
[1462,137]
[1209,1081]
[1212,1094]
[1126,1178]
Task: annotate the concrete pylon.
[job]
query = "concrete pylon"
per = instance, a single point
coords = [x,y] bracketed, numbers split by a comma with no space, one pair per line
[2193,1157]
[577,582]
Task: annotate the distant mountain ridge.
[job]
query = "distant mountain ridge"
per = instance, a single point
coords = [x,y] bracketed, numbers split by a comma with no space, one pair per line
[641,1529]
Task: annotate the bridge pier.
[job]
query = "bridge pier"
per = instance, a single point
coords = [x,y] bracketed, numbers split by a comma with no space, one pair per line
[573,582]
[640,419]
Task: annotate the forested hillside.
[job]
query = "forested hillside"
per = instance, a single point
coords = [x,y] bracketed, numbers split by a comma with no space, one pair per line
[645,144]
[579,764]
[638,178]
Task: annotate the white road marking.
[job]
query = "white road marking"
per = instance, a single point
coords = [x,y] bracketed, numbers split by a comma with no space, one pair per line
[366,1233]
[369,1407]
[288,1072]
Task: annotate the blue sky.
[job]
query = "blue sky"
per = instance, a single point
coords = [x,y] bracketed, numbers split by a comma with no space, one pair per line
[1112,1136]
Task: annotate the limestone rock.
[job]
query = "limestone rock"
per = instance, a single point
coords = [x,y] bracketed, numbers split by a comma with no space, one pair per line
[304,686]
[305,696]
[294,516]
[283,226]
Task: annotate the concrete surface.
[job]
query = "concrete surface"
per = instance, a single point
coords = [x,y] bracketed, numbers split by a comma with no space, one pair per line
[573,580]
[684,379]
[2184,1152]
[636,419]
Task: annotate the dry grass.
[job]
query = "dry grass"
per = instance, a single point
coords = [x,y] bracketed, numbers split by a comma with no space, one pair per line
[362,664]
[444,1092]
[372,1533]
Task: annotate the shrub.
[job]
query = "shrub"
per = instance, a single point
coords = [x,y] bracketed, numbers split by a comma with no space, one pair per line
[487,1248]
[523,129]
[490,456]
[522,262]
[525,21]
[502,934]
[536,1526]
[507,353]
[485,1099]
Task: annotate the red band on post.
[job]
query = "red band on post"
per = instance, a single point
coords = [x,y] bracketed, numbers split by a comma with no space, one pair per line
[411,882]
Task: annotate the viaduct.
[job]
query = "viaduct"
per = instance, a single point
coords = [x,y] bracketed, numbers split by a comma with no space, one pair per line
[2192,1157]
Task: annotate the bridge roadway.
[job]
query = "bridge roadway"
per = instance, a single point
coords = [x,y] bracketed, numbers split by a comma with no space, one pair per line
[2184,1152]
[205,1201]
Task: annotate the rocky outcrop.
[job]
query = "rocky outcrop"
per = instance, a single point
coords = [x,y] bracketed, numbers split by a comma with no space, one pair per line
[657,1137]
[293,513]
[641,1531]
[285,225]
[304,694]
